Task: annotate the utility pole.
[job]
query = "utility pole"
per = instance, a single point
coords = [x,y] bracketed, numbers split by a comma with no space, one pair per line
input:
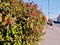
[48,8]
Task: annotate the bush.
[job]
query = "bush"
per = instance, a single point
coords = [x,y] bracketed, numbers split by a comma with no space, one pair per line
[20,23]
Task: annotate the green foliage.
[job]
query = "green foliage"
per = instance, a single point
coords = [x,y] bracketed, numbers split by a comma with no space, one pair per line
[20,23]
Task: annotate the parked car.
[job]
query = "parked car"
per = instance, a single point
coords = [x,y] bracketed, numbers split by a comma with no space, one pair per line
[50,22]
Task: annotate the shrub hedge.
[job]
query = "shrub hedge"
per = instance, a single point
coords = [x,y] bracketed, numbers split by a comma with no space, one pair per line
[20,23]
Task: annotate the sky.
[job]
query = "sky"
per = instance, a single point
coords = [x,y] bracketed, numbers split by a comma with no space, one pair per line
[54,7]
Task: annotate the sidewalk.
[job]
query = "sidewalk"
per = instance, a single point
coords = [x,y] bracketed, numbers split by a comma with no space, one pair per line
[52,36]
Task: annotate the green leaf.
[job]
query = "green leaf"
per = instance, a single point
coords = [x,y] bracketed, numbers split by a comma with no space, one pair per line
[6,4]
[0,36]
[0,0]
[31,25]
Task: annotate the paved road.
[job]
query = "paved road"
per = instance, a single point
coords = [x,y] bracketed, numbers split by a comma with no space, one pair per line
[52,36]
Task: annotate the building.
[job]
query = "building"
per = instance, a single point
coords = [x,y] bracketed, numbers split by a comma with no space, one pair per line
[58,18]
